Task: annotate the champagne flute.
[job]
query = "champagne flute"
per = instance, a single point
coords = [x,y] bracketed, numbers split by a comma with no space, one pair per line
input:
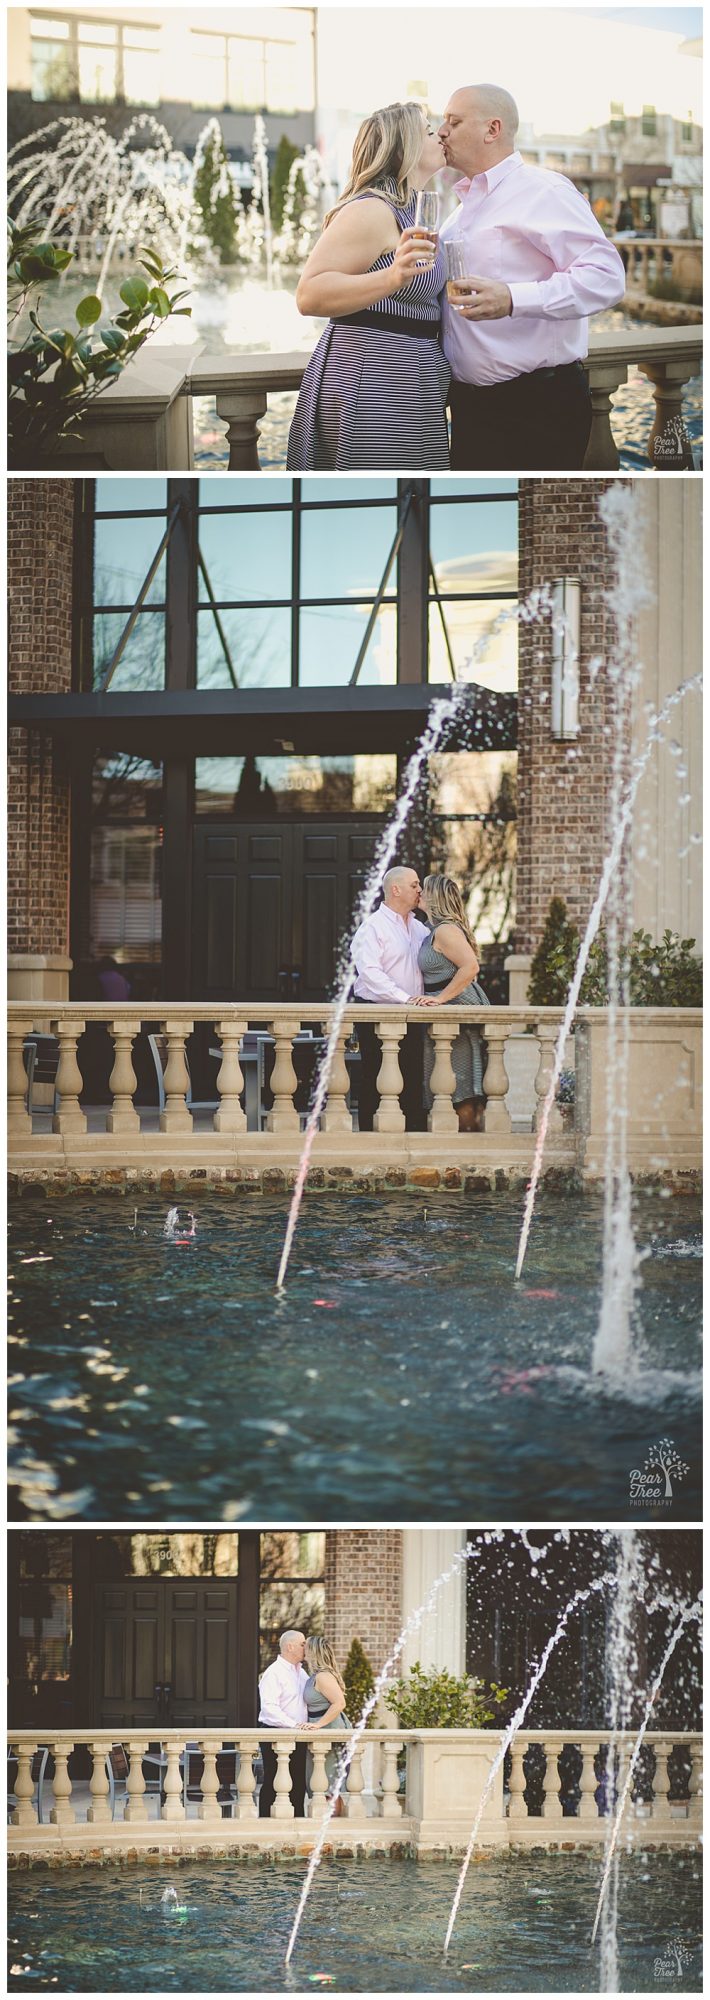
[456,272]
[426,223]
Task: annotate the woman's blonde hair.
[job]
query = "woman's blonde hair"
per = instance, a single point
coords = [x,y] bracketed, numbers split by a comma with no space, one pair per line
[323,1660]
[445,904]
[387,148]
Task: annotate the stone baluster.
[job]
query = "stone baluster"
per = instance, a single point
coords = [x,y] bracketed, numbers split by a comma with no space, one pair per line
[661,1807]
[391,1807]
[622,1766]
[389,1116]
[495,1081]
[100,1810]
[135,1810]
[355,1786]
[587,1808]
[172,1783]
[283,1116]
[123,1116]
[443,1117]
[547,1036]
[551,1799]
[517,1808]
[175,1116]
[695,1782]
[319,1781]
[244,1807]
[62,1813]
[19,1123]
[243,412]
[336,1116]
[282,1807]
[209,1807]
[604,377]
[24,1812]
[668,448]
[69,1116]
[229,1117]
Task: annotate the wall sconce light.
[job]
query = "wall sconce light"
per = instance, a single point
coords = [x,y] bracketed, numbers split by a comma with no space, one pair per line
[566,606]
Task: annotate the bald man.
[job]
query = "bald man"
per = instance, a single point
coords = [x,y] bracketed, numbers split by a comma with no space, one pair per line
[385,951]
[537,264]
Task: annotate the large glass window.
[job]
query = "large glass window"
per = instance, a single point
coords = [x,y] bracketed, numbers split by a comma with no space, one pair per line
[253,71]
[129,525]
[126,865]
[292,1592]
[43,1636]
[170,1553]
[100,61]
[473,542]
[243,787]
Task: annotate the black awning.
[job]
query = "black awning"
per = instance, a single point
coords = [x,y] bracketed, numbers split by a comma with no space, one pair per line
[213,722]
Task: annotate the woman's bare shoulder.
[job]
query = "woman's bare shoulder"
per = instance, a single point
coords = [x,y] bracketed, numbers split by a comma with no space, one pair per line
[449,936]
[369,220]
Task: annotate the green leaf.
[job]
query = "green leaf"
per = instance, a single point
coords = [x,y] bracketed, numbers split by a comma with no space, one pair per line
[135,294]
[89,310]
[112,339]
[160,302]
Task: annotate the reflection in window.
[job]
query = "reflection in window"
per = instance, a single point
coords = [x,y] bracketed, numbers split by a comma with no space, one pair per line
[343,554]
[44,1633]
[126,853]
[129,525]
[245,556]
[475,548]
[141,662]
[187,1553]
[45,1554]
[473,804]
[483,638]
[253,648]
[292,1591]
[331,638]
[234,787]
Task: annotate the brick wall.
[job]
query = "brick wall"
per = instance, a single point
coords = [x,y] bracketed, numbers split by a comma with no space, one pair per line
[563,823]
[40,537]
[363,1590]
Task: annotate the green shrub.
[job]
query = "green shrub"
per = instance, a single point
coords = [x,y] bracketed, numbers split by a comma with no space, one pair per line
[660,975]
[286,153]
[359,1678]
[439,1700]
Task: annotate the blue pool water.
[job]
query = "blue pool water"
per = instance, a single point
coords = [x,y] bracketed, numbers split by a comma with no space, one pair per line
[402,1376]
[371,1925]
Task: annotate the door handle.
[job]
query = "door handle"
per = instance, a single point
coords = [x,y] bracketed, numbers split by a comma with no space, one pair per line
[282,978]
[167,1691]
[158,1694]
[295,981]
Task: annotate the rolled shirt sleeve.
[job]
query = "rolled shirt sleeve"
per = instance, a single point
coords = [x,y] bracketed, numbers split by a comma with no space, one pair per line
[589,274]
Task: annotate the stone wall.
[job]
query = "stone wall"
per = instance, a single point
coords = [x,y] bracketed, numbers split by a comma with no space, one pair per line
[40,580]
[363,1590]
[562,823]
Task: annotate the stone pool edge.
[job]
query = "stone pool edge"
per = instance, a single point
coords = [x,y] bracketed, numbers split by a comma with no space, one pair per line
[482,1179]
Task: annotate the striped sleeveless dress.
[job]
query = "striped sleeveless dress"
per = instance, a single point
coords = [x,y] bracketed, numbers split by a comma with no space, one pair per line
[373,396]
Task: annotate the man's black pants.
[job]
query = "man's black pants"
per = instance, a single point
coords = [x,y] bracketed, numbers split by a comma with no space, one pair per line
[411,1062]
[297,1768]
[533,423]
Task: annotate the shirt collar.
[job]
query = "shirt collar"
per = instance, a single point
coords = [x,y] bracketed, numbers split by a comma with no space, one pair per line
[397,919]
[491,177]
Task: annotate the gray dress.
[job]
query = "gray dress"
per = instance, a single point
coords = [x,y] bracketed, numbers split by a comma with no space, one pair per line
[467,1054]
[317,1704]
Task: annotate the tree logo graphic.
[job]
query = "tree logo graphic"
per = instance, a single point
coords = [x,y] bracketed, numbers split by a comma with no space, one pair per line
[673,441]
[653,1487]
[672,1964]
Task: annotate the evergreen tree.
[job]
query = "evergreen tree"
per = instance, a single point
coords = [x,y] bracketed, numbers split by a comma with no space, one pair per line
[359,1678]
[549,974]
[286,153]
[214,202]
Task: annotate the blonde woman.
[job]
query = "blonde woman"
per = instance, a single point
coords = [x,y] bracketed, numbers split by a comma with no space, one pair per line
[374,392]
[449,964]
[324,1696]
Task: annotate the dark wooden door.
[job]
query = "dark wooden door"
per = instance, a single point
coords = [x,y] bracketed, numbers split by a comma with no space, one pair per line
[272,903]
[167,1652]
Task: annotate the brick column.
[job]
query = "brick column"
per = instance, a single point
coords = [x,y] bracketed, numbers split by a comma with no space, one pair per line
[40,558]
[563,826]
[363,1590]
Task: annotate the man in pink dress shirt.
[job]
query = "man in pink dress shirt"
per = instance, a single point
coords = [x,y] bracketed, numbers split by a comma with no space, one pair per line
[385,950]
[282,1706]
[537,264]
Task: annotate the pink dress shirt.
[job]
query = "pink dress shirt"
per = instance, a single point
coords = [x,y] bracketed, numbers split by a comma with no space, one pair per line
[281,1703]
[529,228]
[386,954]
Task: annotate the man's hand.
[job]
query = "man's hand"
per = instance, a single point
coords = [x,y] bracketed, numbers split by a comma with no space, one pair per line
[489,300]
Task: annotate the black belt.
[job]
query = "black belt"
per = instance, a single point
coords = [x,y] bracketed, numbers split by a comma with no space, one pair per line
[419,329]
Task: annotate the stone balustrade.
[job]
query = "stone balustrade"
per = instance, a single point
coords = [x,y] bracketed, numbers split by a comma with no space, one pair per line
[144,422]
[252,1131]
[650,259]
[114,1791]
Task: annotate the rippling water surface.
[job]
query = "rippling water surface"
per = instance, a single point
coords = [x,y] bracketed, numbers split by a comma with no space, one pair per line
[372,1925]
[403,1375]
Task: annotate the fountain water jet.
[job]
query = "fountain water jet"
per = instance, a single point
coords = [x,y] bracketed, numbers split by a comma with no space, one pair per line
[580,1597]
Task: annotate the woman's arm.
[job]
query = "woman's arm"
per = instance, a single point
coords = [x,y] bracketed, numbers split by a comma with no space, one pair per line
[337,278]
[450,941]
[326,1684]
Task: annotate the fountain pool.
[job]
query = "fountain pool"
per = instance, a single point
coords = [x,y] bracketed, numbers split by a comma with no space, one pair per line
[403,1369]
[373,1925]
